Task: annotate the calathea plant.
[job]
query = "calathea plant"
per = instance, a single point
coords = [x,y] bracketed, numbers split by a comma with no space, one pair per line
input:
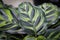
[50,15]
[32,19]
[7,21]
[38,22]
[51,12]
[53,27]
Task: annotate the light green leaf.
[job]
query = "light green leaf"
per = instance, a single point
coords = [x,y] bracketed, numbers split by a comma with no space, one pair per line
[29,38]
[51,12]
[31,18]
[41,38]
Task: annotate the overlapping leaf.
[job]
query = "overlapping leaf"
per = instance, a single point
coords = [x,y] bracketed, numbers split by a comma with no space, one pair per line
[6,19]
[53,33]
[51,12]
[30,38]
[31,17]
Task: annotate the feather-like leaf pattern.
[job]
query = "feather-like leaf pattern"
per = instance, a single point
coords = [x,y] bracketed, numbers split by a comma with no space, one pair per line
[53,33]
[6,19]
[32,20]
[51,12]
[31,17]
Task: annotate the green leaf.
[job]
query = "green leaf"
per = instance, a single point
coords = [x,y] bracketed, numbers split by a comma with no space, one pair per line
[51,12]
[6,36]
[7,21]
[31,18]
[53,33]
[59,12]
[29,38]
[1,6]
[41,38]
[8,13]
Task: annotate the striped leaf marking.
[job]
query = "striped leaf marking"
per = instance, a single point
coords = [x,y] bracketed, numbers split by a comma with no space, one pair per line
[50,11]
[31,17]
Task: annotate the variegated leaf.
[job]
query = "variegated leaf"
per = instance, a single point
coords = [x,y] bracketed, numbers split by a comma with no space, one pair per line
[31,18]
[6,19]
[53,33]
[51,12]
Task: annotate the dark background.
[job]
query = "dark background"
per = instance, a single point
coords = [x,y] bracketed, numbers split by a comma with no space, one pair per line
[38,2]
